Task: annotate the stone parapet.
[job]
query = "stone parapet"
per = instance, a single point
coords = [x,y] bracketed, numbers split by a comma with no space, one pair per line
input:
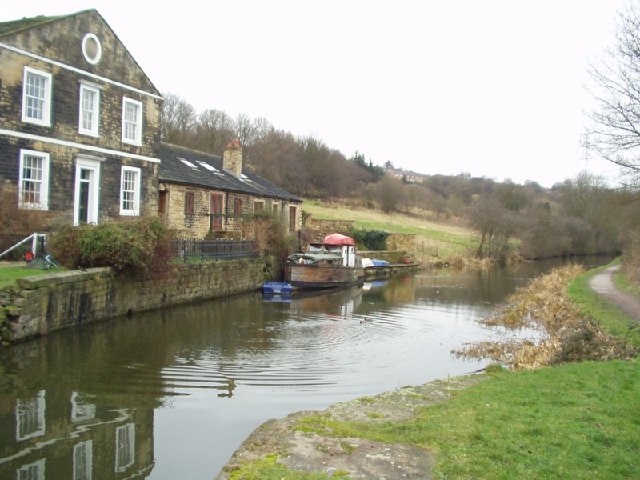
[43,304]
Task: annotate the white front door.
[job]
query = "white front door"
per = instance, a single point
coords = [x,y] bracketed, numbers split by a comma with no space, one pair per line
[86,195]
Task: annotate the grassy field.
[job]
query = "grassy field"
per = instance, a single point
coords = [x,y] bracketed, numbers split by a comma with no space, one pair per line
[433,239]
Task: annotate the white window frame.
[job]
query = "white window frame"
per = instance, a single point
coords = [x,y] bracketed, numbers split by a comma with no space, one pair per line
[80,410]
[30,419]
[32,471]
[135,211]
[137,141]
[97,55]
[125,447]
[83,460]
[43,204]
[46,98]
[93,131]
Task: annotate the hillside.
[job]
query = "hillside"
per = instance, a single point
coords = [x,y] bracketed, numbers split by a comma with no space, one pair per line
[433,239]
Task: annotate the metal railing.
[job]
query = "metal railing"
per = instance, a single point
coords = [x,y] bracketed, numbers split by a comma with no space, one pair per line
[36,241]
[214,249]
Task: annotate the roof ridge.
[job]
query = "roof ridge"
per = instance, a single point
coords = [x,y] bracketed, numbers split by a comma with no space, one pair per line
[189,149]
[26,23]
[32,22]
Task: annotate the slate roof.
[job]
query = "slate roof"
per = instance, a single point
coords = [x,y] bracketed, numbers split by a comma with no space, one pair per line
[198,169]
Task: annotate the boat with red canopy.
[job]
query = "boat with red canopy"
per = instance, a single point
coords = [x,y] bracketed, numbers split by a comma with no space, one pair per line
[330,263]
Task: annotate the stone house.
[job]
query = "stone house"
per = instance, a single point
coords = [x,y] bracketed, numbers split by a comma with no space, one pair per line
[202,195]
[78,120]
[80,131]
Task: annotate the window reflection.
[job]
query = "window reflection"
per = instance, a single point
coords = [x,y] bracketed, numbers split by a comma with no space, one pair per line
[31,471]
[30,417]
[124,446]
[82,460]
[80,410]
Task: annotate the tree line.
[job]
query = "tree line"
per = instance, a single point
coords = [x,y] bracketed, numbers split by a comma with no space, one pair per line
[580,216]
[305,166]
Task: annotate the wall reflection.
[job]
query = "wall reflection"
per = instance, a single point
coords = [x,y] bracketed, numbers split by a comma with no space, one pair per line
[57,434]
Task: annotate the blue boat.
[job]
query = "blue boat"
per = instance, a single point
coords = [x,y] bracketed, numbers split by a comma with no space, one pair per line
[277,288]
[379,263]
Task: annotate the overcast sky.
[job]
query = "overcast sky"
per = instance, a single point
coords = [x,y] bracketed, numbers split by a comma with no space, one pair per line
[493,88]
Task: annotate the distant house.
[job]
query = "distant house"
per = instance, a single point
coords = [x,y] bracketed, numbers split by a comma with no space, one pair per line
[78,120]
[205,195]
[405,175]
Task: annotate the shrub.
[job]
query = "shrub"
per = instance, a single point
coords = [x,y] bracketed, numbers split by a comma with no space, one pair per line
[131,246]
[270,233]
[371,239]
[64,245]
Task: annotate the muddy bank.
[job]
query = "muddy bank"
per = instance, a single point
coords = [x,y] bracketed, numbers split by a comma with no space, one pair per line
[359,458]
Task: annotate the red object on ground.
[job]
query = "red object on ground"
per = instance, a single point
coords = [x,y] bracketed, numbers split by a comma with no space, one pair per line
[28,256]
[337,239]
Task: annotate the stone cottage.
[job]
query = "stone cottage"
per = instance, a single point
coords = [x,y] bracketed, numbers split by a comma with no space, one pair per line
[205,195]
[78,120]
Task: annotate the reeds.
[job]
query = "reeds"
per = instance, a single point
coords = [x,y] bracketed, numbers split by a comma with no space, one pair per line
[571,337]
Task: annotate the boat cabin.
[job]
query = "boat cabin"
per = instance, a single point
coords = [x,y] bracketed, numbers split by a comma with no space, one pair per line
[334,250]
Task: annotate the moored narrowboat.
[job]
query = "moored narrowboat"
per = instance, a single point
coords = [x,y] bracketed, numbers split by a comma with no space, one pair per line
[331,263]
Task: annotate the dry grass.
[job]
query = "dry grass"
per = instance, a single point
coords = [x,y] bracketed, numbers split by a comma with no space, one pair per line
[571,336]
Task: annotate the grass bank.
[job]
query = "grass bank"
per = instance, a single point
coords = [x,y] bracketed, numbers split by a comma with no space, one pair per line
[433,239]
[10,272]
[575,420]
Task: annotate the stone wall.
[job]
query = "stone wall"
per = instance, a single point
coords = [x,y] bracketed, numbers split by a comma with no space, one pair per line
[46,303]
[402,241]
[322,228]
[239,225]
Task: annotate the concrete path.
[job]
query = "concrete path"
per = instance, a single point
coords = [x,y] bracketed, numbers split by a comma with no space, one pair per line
[602,284]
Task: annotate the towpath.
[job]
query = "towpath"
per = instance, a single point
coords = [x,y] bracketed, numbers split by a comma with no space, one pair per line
[602,284]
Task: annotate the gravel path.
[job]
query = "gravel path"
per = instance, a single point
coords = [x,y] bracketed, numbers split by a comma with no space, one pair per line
[602,284]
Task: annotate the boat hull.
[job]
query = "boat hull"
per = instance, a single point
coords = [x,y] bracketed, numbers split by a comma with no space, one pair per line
[276,288]
[322,276]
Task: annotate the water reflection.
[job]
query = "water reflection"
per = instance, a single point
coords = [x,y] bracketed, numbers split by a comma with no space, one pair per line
[56,434]
[171,394]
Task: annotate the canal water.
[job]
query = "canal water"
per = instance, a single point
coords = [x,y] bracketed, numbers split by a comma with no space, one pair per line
[171,394]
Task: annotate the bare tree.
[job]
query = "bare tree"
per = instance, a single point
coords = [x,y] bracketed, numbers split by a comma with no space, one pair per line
[215,129]
[249,130]
[616,132]
[178,118]
[391,193]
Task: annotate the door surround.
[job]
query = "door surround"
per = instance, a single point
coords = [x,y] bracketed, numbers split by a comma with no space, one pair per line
[90,165]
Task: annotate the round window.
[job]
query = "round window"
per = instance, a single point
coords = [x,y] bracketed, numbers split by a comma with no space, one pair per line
[91,48]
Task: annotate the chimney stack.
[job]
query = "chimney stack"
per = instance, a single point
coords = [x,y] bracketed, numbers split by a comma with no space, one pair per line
[232,158]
